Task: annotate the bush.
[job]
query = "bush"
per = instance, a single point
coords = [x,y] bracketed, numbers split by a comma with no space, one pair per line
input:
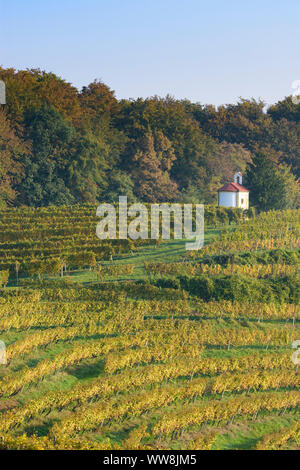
[238,288]
[277,256]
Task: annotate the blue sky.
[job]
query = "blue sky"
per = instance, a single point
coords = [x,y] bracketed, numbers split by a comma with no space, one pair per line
[208,51]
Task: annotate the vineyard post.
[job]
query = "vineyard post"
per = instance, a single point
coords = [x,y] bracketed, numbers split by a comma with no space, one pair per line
[294,316]
[17,271]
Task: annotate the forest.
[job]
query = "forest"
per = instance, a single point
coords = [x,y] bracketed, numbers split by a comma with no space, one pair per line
[62,146]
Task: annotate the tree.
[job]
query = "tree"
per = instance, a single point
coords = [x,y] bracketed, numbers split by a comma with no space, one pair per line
[168,118]
[119,184]
[12,151]
[87,170]
[152,182]
[267,187]
[97,101]
[291,186]
[244,123]
[27,89]
[45,170]
[285,108]
[99,107]
[285,139]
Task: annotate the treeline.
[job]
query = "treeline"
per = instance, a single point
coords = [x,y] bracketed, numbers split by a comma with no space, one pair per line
[60,146]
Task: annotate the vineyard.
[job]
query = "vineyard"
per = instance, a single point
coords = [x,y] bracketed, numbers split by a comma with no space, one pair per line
[130,345]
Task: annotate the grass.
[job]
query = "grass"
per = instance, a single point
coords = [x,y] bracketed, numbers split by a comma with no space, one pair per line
[244,435]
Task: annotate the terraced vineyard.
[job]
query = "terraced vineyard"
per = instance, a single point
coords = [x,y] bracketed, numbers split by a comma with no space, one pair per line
[192,354]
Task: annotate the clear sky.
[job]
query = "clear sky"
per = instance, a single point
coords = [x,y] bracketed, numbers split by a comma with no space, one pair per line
[209,51]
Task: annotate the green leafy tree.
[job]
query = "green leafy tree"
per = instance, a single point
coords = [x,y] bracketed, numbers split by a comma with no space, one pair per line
[12,151]
[291,186]
[45,170]
[87,170]
[119,184]
[266,185]
[285,108]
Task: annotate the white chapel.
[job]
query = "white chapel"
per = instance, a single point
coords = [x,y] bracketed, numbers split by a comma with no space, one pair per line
[234,194]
